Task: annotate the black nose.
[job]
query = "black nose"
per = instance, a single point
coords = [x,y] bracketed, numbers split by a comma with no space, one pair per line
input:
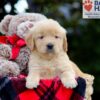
[50,46]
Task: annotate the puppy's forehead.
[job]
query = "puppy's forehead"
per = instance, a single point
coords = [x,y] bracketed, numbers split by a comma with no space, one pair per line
[48,27]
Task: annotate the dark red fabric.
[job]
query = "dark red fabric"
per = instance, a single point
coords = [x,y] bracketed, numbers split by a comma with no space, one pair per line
[62,93]
[10,88]
[29,95]
[3,39]
[16,43]
[13,88]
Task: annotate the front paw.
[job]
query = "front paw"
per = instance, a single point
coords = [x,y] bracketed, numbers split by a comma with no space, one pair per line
[30,83]
[69,82]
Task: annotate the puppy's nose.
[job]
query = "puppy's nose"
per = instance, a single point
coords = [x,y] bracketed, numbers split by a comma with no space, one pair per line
[50,46]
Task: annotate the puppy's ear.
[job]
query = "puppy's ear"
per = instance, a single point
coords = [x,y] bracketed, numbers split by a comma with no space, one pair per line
[65,45]
[29,41]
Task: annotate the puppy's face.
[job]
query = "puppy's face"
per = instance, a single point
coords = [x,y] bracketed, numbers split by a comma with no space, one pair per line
[47,37]
[49,43]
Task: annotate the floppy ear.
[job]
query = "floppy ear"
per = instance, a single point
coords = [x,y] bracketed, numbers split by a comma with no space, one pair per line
[65,45]
[29,41]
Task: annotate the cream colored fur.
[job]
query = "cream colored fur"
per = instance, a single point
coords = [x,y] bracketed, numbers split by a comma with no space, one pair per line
[45,64]
[55,61]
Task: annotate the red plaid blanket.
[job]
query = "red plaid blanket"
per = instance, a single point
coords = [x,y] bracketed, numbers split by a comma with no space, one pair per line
[13,88]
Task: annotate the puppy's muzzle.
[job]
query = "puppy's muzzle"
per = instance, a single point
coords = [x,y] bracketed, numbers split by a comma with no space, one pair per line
[50,47]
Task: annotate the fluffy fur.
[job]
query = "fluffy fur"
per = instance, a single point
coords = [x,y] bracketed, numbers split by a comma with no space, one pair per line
[43,60]
[19,25]
[46,63]
[12,23]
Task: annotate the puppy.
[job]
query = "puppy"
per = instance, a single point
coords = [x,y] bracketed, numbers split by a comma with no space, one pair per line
[48,44]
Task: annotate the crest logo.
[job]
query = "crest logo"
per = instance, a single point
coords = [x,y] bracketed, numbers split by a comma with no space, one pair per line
[87,4]
[91,9]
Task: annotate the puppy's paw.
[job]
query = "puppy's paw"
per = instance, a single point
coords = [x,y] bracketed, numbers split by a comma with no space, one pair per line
[30,83]
[69,82]
[89,78]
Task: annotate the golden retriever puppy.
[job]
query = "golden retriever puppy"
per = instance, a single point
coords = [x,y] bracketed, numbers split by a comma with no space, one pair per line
[48,59]
[48,44]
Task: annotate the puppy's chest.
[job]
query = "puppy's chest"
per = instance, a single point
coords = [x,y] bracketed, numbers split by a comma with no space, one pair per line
[52,63]
[51,69]
[49,72]
[57,63]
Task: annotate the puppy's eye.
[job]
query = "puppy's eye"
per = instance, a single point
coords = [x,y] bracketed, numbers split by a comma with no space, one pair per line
[57,37]
[41,37]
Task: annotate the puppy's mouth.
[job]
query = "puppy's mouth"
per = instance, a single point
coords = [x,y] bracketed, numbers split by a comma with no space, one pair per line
[50,51]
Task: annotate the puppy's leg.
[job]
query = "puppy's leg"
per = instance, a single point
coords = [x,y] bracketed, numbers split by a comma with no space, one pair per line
[68,77]
[78,72]
[33,78]
[89,80]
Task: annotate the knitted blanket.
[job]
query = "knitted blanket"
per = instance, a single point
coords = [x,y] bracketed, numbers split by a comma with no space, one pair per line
[13,88]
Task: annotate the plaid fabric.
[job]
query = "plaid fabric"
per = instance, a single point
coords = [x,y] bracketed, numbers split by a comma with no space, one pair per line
[14,89]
